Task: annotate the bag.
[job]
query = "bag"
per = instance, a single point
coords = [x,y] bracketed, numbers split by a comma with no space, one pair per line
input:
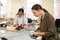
[3,38]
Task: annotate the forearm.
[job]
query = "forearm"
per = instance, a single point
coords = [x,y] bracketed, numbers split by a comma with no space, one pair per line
[41,33]
[47,33]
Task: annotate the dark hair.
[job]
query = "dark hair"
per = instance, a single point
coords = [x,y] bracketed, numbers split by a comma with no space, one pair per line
[36,7]
[21,10]
[45,10]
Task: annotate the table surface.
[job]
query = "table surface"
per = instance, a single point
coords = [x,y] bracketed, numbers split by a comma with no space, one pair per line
[19,35]
[23,34]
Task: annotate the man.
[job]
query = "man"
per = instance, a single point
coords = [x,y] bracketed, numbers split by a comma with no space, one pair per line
[47,26]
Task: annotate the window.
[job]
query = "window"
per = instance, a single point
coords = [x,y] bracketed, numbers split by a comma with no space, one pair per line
[57,9]
[28,5]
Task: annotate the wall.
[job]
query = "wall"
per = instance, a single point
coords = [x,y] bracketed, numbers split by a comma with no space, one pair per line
[48,5]
[57,9]
[12,7]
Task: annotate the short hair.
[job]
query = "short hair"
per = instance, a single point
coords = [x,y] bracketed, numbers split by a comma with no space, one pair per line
[36,7]
[21,10]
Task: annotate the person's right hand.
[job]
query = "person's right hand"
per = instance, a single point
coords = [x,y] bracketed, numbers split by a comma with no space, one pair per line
[36,33]
[23,24]
[16,26]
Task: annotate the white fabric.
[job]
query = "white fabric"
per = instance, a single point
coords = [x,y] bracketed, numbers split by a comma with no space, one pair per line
[20,35]
[20,20]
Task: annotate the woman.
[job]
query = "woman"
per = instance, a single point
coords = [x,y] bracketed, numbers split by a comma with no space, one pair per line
[47,26]
[20,19]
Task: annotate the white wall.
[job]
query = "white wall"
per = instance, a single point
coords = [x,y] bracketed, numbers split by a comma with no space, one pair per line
[57,9]
[12,7]
[0,6]
[48,5]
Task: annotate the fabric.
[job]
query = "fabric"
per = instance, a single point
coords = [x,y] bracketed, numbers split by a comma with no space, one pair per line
[20,20]
[19,35]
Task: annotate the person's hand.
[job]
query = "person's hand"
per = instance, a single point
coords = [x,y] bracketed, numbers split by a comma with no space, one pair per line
[16,26]
[42,33]
[39,33]
[36,33]
[23,24]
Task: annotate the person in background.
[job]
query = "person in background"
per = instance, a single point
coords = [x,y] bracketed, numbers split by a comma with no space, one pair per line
[20,19]
[47,27]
